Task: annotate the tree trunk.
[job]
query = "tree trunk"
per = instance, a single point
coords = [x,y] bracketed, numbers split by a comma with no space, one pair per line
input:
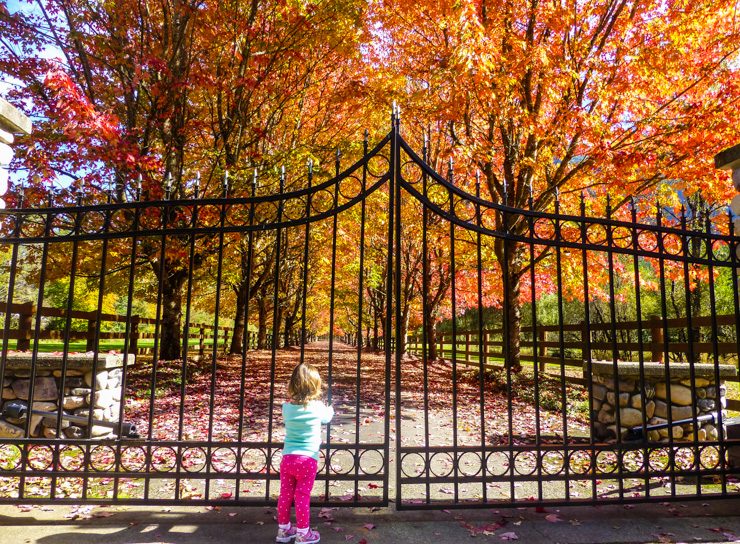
[431,328]
[513,308]
[239,319]
[276,328]
[375,331]
[171,322]
[402,341]
[289,320]
[262,310]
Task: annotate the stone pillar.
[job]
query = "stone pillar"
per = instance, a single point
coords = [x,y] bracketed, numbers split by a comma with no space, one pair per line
[12,121]
[729,159]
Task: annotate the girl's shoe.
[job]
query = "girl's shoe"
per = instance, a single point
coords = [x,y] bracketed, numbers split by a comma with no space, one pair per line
[285,535]
[311,537]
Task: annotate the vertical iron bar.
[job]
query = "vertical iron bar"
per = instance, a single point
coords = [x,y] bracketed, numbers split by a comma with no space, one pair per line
[67,330]
[586,340]
[685,242]
[306,235]
[9,298]
[535,350]
[481,347]
[666,338]
[165,214]
[561,339]
[214,349]
[453,293]
[715,359]
[275,333]
[426,319]
[332,292]
[96,341]
[186,336]
[246,338]
[615,348]
[505,328]
[361,288]
[640,343]
[36,341]
[245,341]
[11,288]
[126,341]
[387,341]
[734,260]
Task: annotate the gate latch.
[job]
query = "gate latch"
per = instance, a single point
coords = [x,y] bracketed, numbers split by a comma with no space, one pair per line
[640,432]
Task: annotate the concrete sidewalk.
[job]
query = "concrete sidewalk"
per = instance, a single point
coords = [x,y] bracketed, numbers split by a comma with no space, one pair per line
[715,521]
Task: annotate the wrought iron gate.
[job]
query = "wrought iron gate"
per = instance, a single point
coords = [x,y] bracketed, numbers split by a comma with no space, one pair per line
[445,395]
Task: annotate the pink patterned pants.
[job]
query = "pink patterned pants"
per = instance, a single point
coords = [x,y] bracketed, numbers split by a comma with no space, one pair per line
[297,473]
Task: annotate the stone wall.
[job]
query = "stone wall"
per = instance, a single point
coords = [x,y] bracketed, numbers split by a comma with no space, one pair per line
[656,395]
[729,159]
[77,398]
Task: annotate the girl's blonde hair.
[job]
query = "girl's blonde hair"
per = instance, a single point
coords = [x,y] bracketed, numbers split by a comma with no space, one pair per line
[305,384]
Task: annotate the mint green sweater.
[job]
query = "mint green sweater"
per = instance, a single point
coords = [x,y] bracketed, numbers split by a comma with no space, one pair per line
[303,427]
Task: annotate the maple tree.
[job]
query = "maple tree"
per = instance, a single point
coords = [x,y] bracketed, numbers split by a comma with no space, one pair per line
[169,92]
[613,97]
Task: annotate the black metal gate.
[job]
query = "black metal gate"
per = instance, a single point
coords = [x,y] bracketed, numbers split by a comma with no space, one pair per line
[514,409]
[165,330]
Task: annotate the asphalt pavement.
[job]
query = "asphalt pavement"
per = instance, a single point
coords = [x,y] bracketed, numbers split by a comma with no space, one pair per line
[689,522]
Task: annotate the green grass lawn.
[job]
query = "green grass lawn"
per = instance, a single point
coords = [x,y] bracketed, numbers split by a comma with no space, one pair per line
[78,346]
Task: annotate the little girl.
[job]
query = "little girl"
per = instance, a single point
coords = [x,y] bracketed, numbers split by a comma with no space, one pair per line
[303,417]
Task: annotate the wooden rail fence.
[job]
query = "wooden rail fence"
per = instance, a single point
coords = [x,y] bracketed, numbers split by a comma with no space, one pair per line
[25,331]
[547,344]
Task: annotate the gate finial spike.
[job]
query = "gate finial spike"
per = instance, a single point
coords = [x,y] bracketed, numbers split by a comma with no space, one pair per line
[138,188]
[226,183]
[197,185]
[254,177]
